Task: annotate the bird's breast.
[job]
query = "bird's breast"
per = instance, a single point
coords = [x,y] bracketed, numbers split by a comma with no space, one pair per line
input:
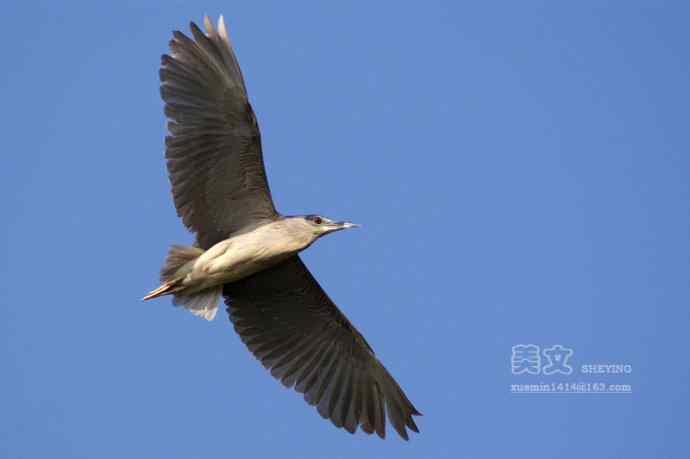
[241,256]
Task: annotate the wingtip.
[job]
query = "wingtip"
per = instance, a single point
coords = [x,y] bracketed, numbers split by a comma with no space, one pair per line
[222,30]
[208,25]
[411,425]
[196,30]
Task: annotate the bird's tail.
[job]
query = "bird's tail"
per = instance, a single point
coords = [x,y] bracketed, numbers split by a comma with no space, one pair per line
[202,304]
[178,264]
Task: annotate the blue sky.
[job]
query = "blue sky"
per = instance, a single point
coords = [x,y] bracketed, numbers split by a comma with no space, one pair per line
[520,171]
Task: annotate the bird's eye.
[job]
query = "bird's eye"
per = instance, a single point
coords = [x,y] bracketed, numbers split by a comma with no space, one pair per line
[318,220]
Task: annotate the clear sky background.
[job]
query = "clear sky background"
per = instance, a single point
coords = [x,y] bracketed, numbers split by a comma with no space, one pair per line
[520,170]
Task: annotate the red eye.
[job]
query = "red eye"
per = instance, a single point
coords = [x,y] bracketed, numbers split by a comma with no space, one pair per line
[318,220]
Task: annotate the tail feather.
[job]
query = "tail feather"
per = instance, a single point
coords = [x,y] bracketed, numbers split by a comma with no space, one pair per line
[179,257]
[178,264]
[202,304]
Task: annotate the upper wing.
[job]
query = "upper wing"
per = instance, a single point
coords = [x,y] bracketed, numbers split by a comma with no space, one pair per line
[288,322]
[213,149]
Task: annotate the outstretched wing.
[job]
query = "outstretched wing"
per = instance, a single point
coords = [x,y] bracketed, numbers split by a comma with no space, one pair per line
[288,322]
[213,149]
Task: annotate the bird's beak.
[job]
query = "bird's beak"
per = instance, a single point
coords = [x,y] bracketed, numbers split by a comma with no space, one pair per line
[337,226]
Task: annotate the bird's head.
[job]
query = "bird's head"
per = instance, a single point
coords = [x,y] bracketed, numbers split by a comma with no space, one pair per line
[320,225]
[303,230]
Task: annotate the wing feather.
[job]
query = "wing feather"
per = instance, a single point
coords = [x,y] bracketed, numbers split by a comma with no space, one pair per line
[213,147]
[288,322]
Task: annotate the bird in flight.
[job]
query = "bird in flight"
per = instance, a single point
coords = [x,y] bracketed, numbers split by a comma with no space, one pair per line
[247,253]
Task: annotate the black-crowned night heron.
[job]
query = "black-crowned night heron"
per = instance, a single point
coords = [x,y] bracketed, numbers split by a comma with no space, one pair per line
[248,253]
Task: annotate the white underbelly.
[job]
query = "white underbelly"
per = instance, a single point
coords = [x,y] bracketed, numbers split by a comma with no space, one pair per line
[232,260]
